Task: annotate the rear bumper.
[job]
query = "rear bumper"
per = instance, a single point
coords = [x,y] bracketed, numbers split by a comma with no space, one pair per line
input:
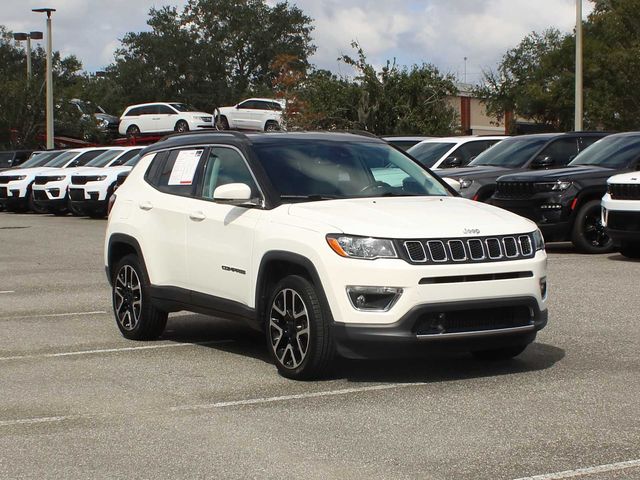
[413,333]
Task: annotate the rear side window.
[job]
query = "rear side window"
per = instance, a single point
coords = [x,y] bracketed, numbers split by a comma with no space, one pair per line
[165,110]
[470,150]
[175,174]
[134,112]
[561,151]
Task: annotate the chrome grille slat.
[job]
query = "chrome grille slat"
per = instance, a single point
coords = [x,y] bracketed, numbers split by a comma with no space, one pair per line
[437,246]
[457,250]
[415,250]
[510,247]
[475,245]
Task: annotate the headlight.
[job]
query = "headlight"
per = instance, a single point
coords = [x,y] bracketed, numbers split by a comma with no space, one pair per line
[57,179]
[361,247]
[104,123]
[19,177]
[100,178]
[465,183]
[538,240]
[559,186]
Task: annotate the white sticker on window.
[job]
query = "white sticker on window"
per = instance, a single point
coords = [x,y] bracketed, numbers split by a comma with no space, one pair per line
[185,167]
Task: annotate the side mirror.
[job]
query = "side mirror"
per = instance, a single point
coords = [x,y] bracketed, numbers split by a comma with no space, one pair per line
[234,193]
[237,106]
[542,162]
[455,184]
[451,162]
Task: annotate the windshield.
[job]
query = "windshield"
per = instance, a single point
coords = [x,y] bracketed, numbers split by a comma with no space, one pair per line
[183,107]
[39,159]
[511,152]
[430,152]
[134,160]
[315,170]
[62,159]
[104,158]
[611,152]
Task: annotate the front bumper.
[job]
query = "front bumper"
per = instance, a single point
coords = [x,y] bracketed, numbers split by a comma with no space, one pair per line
[551,212]
[14,195]
[621,219]
[422,329]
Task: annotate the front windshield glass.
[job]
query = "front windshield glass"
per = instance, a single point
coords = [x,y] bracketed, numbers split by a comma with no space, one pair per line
[611,152]
[104,158]
[38,159]
[133,161]
[429,153]
[316,170]
[183,107]
[510,153]
[62,159]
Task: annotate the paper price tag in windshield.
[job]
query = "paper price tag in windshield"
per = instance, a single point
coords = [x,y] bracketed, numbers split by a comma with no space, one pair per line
[185,167]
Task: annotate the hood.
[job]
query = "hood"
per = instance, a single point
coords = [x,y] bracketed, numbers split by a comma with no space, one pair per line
[28,171]
[568,173]
[632,178]
[411,217]
[473,172]
[107,117]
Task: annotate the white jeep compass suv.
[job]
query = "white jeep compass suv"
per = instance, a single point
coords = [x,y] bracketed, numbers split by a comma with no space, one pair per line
[297,234]
[621,212]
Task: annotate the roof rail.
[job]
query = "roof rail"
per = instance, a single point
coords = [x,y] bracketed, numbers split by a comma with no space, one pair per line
[362,133]
[210,132]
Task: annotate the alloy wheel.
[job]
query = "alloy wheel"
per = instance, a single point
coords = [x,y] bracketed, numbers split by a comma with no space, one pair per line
[289,328]
[127,297]
[594,231]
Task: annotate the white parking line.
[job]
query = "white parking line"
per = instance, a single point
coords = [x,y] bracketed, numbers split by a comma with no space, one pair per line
[111,350]
[7,291]
[611,467]
[232,403]
[45,315]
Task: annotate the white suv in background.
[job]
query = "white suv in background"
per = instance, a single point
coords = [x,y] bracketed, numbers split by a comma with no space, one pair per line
[162,117]
[451,152]
[91,188]
[264,114]
[294,234]
[621,212]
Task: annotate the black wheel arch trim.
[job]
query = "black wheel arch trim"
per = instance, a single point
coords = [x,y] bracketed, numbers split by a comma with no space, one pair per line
[121,238]
[296,259]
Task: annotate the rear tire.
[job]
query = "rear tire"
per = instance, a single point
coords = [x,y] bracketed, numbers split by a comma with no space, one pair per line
[135,315]
[31,204]
[588,235]
[271,126]
[298,330]
[497,354]
[223,123]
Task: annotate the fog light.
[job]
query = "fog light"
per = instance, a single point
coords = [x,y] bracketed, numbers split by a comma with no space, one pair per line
[543,287]
[379,299]
[551,206]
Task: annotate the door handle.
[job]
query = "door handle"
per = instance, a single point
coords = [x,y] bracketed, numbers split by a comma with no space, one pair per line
[197,216]
[145,205]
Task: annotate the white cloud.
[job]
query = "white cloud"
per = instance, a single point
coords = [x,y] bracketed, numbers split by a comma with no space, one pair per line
[414,31]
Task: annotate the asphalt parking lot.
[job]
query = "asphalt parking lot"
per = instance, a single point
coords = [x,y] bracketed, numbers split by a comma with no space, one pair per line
[79,401]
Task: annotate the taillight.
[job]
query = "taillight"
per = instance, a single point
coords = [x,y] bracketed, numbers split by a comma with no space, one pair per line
[112,200]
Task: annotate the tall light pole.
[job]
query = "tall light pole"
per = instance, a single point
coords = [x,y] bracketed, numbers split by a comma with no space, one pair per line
[465,69]
[49,77]
[578,101]
[21,36]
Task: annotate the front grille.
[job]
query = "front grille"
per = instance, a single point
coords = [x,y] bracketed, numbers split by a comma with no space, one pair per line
[515,189]
[4,179]
[625,221]
[41,180]
[467,250]
[40,195]
[83,179]
[76,194]
[207,119]
[623,191]
[460,321]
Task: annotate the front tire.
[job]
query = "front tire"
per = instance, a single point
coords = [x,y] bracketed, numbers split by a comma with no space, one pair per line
[223,123]
[181,126]
[271,126]
[136,316]
[589,235]
[133,131]
[298,330]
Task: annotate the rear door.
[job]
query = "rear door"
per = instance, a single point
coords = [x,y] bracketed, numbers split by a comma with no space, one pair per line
[165,118]
[220,236]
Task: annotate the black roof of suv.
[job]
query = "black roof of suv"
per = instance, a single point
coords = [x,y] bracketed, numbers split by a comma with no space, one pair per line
[516,154]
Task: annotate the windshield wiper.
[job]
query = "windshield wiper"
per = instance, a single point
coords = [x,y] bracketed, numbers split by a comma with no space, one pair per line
[310,197]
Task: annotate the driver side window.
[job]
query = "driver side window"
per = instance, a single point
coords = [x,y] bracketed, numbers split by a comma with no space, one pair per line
[224,166]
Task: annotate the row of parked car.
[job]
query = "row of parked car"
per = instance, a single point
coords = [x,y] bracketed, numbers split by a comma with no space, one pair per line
[565,182]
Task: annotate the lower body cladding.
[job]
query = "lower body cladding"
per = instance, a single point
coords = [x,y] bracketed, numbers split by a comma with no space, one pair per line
[621,219]
[52,199]
[13,197]
[413,309]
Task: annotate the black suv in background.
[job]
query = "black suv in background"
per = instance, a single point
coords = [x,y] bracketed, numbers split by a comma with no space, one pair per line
[13,158]
[516,154]
[565,203]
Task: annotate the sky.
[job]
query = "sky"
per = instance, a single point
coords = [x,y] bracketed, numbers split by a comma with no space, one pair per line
[441,32]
